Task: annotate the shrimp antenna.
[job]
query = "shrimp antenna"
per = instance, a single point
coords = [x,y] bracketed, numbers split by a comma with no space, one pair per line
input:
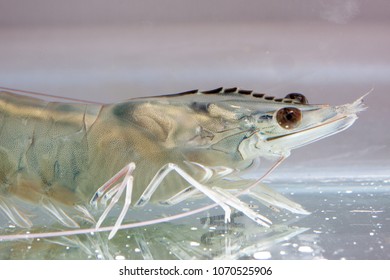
[49,95]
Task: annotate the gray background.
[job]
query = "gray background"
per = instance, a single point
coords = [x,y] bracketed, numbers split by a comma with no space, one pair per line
[332,51]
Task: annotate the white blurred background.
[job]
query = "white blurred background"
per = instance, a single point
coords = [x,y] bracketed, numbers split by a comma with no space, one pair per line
[332,51]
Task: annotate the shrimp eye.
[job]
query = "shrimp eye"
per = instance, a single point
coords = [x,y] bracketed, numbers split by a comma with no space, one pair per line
[289,117]
[297,97]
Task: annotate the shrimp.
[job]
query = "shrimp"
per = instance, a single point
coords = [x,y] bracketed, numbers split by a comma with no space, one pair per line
[164,149]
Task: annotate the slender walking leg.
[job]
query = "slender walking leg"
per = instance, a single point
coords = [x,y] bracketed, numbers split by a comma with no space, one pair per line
[114,192]
[219,196]
[108,191]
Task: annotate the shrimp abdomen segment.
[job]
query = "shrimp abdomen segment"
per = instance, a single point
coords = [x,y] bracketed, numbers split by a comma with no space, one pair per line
[43,143]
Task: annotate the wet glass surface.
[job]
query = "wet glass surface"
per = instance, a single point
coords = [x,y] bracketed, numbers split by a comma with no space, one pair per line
[348,220]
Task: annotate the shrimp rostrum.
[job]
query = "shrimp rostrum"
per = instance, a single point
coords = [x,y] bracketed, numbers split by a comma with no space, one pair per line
[163,149]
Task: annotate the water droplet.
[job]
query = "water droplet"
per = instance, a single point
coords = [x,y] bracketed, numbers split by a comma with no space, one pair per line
[305,249]
[262,255]
[194,244]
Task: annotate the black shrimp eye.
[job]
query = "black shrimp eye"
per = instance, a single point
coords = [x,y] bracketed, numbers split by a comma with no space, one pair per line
[289,117]
[298,97]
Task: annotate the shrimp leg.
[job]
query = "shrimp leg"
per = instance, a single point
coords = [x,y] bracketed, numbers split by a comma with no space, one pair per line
[181,196]
[107,191]
[164,171]
[219,196]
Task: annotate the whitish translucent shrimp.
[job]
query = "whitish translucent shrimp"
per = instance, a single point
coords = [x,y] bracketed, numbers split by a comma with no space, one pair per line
[164,149]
